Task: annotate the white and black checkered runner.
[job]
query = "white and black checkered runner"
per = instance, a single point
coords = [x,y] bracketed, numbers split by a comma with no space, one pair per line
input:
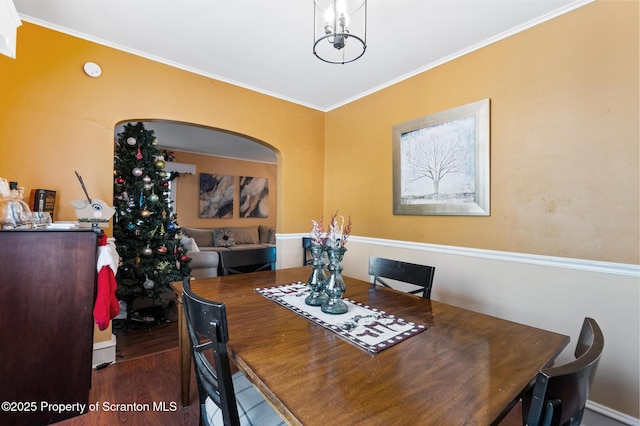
[366,327]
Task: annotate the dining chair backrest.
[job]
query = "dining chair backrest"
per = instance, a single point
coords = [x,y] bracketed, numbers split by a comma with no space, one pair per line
[306,252]
[208,333]
[559,394]
[252,260]
[420,275]
[230,400]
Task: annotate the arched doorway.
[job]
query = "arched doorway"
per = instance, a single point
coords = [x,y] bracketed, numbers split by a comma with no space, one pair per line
[195,150]
[191,151]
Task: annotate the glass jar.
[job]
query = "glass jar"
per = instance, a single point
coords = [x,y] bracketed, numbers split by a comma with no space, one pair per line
[14,212]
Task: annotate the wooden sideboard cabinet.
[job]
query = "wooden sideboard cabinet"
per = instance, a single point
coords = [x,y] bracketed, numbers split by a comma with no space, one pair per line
[47,289]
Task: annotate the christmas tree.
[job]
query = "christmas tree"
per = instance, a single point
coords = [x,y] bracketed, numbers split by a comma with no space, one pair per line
[144,226]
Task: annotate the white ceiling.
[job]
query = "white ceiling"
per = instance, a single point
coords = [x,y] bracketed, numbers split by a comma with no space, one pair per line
[266,46]
[203,140]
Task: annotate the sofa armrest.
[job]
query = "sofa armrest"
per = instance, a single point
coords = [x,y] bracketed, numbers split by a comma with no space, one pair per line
[204,264]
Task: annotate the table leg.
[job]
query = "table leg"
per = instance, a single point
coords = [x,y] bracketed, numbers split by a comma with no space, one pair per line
[185,357]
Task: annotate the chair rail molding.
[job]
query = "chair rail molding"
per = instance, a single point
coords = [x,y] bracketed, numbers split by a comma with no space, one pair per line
[625,269]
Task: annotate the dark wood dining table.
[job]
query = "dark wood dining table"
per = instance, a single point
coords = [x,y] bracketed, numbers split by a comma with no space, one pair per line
[465,368]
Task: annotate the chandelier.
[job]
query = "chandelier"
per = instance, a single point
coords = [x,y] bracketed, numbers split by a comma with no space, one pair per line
[339,30]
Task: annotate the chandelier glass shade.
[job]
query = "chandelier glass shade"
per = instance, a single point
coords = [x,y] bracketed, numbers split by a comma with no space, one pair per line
[339,30]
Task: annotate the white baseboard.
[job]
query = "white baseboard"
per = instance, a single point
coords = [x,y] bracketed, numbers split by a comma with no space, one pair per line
[104,352]
[598,415]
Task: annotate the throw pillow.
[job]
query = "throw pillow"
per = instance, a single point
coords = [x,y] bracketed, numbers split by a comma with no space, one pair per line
[202,237]
[223,238]
[245,234]
[192,246]
[263,231]
[186,243]
[267,234]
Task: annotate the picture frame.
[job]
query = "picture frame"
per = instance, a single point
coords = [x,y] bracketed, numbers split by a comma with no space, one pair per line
[254,197]
[216,196]
[441,163]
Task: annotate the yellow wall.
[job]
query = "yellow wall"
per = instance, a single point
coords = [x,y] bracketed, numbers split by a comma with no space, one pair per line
[564,142]
[564,133]
[188,189]
[54,119]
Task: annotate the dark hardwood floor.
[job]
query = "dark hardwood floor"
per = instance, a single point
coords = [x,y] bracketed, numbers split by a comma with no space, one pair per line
[139,339]
[146,376]
[139,392]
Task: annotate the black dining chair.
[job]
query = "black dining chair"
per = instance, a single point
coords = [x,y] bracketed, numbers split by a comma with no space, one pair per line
[559,394]
[419,275]
[252,260]
[224,398]
[306,253]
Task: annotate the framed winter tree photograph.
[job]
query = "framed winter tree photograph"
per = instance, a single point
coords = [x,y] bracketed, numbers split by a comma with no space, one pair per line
[441,163]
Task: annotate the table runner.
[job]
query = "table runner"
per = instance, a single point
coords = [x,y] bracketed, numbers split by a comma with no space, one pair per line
[366,327]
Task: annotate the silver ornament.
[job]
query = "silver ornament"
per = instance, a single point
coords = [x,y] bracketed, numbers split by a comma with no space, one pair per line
[132,141]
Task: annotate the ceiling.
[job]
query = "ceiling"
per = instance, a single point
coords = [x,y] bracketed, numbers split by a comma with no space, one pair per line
[204,140]
[266,46]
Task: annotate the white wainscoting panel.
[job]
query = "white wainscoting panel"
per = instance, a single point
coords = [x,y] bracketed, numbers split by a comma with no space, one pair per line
[546,292]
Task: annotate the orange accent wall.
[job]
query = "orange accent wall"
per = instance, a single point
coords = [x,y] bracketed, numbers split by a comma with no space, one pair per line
[54,119]
[564,142]
[188,189]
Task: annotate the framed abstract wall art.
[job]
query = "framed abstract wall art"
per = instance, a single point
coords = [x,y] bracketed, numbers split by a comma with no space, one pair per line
[441,163]
[216,196]
[254,197]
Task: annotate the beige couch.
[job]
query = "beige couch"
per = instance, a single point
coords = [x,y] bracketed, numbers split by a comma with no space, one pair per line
[231,238]
[201,246]
[204,264]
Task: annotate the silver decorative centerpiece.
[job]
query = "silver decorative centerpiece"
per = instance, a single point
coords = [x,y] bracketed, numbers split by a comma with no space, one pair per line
[317,279]
[335,287]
